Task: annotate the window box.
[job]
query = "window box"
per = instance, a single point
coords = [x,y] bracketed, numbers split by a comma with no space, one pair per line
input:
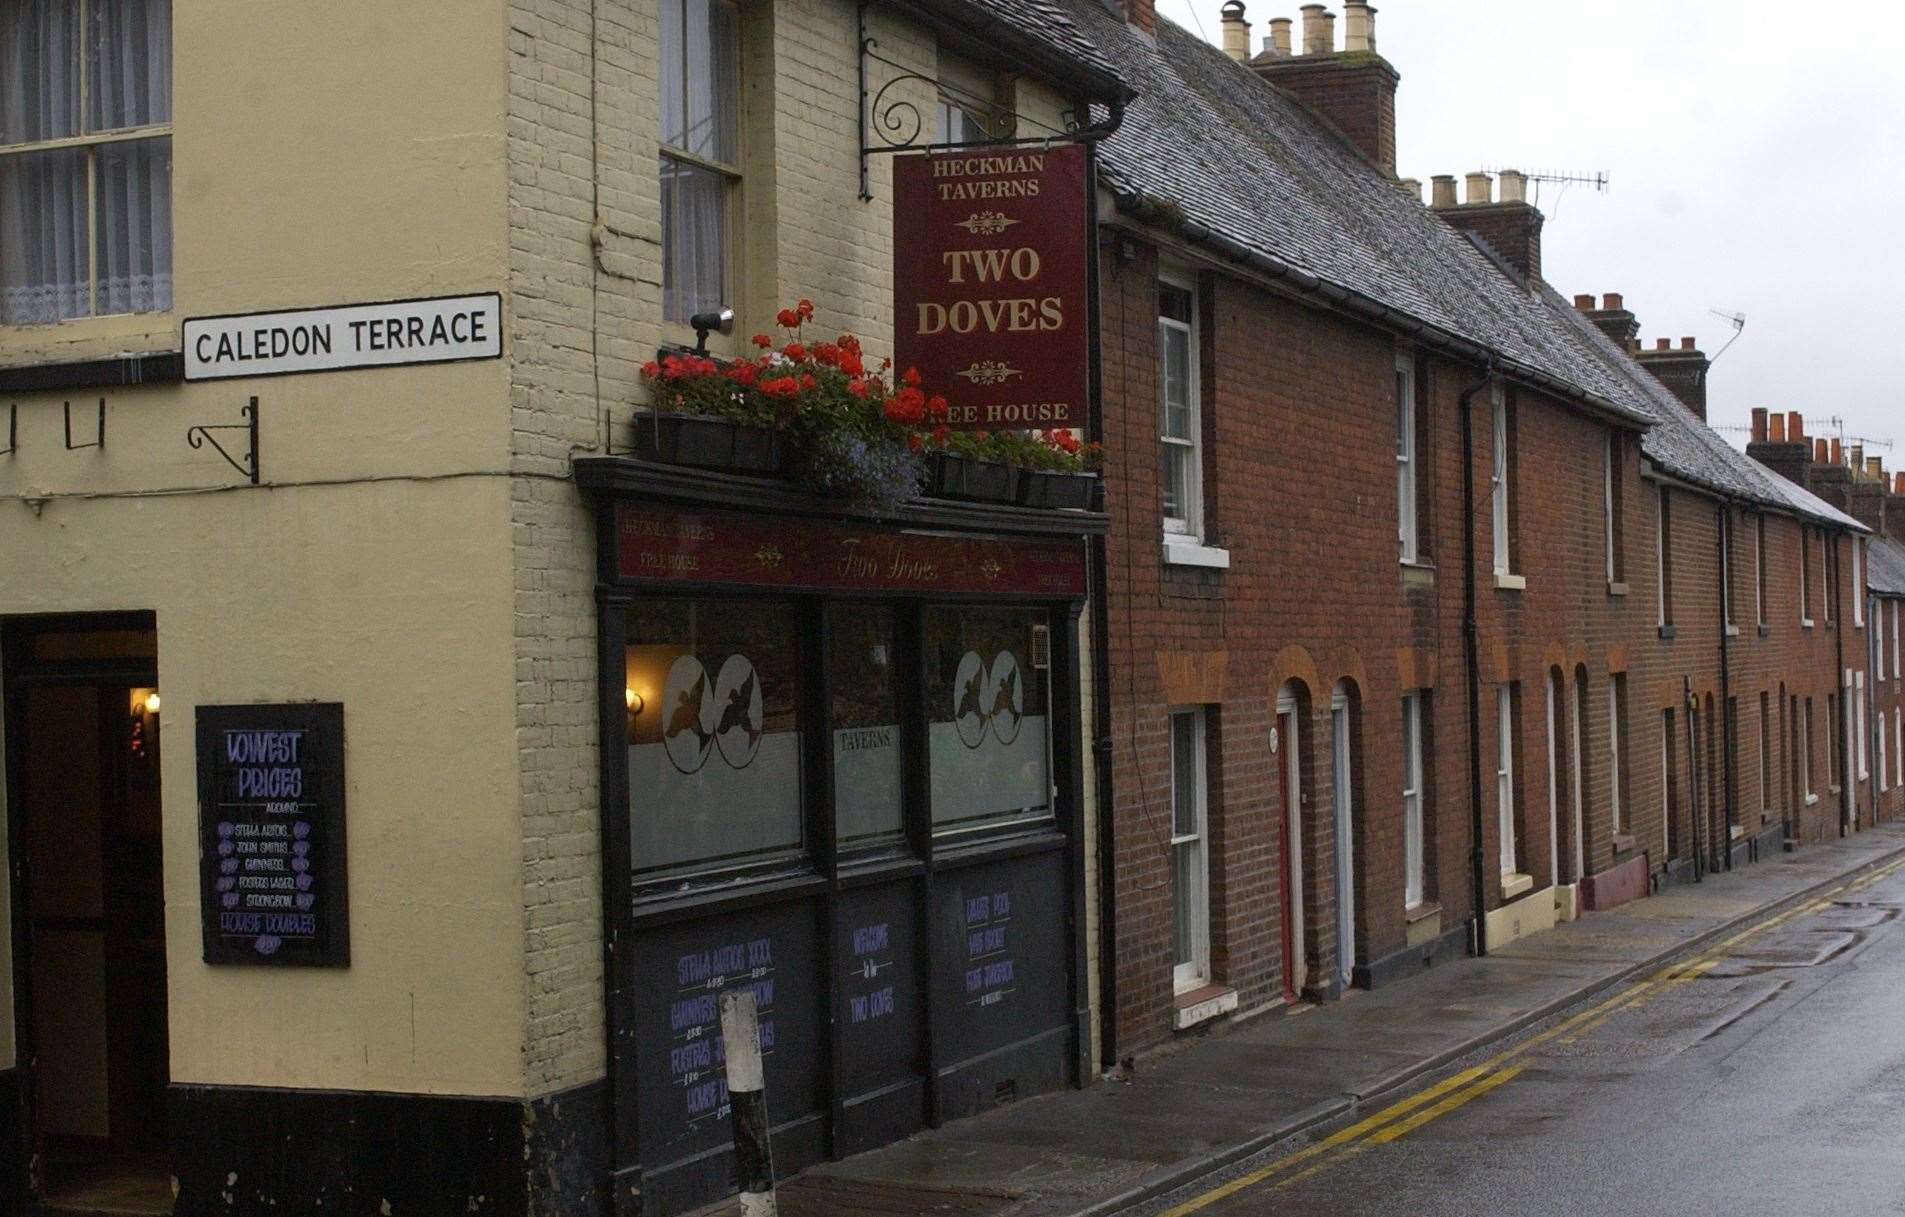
[1067,491]
[950,476]
[702,442]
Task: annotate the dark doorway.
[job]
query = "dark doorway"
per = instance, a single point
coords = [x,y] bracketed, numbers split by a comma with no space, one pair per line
[83,743]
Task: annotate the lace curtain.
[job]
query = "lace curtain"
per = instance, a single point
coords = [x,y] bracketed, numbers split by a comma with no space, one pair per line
[125,54]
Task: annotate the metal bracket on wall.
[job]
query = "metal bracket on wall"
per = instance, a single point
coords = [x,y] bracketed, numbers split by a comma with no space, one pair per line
[13,431]
[198,437]
[897,124]
[99,439]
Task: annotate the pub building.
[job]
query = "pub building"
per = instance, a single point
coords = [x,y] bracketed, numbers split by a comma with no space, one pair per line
[841,768]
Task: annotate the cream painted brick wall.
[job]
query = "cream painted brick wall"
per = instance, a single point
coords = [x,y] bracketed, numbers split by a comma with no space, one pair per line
[585,312]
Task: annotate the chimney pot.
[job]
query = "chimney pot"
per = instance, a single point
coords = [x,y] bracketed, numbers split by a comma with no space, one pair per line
[1776,430]
[1514,186]
[1838,455]
[1686,344]
[1317,40]
[1759,424]
[1795,426]
[1236,31]
[1279,37]
[1875,468]
[1442,190]
[1611,302]
[1584,302]
[1663,344]
[1898,483]
[1479,188]
[1821,455]
[1357,35]
[1411,187]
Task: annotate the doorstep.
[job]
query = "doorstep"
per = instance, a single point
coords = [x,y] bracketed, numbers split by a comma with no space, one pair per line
[1182,1115]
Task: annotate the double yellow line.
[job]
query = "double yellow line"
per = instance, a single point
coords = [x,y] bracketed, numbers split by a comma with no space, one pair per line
[1402,1118]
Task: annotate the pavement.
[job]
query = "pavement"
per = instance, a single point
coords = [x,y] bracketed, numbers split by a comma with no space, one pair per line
[1228,1098]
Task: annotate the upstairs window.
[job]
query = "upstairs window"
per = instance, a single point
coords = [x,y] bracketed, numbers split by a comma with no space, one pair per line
[1501,481]
[1897,671]
[1613,534]
[1805,575]
[1406,471]
[1858,583]
[1759,569]
[700,154]
[85,159]
[1828,561]
[1180,428]
[1663,557]
[1726,567]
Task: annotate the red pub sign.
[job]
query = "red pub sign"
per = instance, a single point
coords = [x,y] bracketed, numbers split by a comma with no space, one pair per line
[671,545]
[990,282]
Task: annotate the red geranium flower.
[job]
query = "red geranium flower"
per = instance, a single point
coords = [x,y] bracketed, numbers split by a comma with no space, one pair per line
[780,386]
[850,363]
[788,319]
[858,387]
[911,377]
[794,351]
[762,340]
[651,369]
[807,380]
[914,442]
[936,408]
[806,309]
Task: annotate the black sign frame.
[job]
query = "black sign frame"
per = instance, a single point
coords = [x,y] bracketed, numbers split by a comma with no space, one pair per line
[319,764]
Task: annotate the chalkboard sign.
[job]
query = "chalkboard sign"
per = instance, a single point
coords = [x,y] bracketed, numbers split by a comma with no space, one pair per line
[272,885]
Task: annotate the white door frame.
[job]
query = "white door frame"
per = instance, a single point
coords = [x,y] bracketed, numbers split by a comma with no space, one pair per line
[1290,729]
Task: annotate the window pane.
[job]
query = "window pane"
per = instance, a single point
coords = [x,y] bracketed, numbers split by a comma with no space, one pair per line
[39,70]
[700,89]
[694,239]
[864,713]
[1183,775]
[1185,861]
[986,740]
[135,226]
[43,237]
[1176,421]
[1176,480]
[1174,302]
[129,63]
[714,746]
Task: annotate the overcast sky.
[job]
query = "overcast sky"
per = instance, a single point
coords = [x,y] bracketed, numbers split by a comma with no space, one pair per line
[1755,161]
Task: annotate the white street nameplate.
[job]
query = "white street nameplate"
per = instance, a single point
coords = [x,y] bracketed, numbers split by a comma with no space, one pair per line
[441,330]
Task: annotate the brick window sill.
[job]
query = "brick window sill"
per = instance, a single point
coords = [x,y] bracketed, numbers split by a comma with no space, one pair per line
[1200,1005]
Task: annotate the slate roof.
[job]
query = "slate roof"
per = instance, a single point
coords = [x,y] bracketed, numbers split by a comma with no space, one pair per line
[1885,566]
[1041,32]
[1249,170]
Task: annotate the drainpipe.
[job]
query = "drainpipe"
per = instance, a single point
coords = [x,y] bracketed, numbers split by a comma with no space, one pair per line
[1731,784]
[1844,727]
[1471,649]
[1101,744]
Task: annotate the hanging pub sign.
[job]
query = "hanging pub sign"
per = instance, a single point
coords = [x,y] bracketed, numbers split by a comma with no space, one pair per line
[271,835]
[991,284]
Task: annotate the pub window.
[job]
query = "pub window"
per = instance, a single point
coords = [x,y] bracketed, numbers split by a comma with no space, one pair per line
[1180,430]
[700,154]
[1190,858]
[85,159]
[1409,523]
[987,739]
[714,746]
[1414,840]
[863,713]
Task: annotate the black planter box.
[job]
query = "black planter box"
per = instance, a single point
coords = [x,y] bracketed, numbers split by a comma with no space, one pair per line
[710,443]
[959,477]
[1044,488]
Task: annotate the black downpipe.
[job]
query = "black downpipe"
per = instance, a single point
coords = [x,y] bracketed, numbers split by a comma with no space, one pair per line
[1101,747]
[1727,725]
[1695,780]
[1471,653]
[1847,794]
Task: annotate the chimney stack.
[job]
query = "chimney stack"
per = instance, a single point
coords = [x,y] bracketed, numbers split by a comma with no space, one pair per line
[1353,90]
[1784,450]
[1613,319]
[1511,227]
[1830,477]
[1895,508]
[1236,31]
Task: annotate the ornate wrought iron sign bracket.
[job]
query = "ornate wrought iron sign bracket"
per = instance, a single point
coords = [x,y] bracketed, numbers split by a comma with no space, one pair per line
[198,437]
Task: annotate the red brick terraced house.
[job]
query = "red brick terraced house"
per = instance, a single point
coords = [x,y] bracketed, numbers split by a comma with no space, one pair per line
[1416,636]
